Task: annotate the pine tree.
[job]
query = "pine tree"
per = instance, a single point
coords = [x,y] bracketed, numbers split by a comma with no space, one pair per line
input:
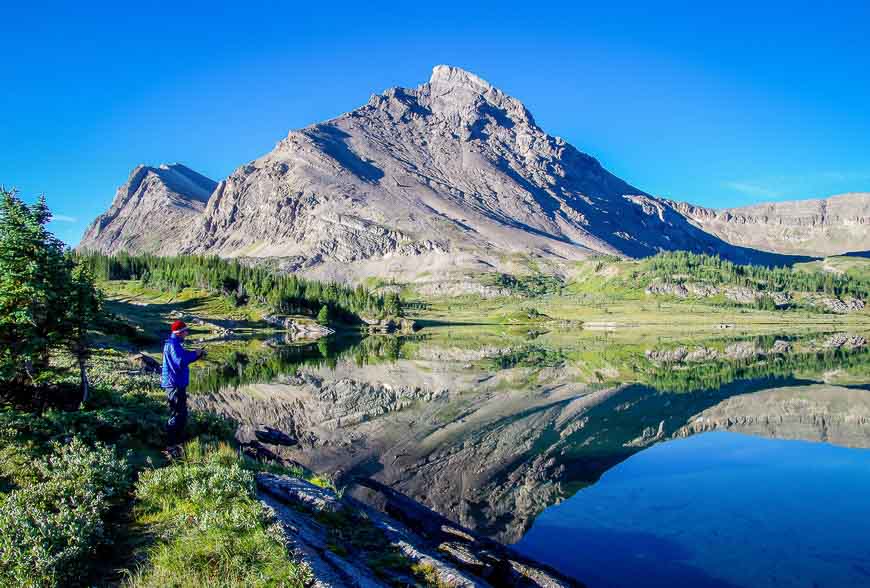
[34,281]
[323,315]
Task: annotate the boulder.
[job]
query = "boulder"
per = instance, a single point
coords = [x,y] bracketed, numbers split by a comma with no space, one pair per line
[274,437]
[296,491]
[667,356]
[146,364]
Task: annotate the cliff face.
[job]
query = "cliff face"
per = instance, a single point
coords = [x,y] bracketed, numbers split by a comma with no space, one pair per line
[150,211]
[453,174]
[831,226]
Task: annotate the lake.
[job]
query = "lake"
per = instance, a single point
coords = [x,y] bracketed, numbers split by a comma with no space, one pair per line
[702,459]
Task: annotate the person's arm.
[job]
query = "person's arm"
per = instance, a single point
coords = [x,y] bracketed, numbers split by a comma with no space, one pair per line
[180,355]
[191,356]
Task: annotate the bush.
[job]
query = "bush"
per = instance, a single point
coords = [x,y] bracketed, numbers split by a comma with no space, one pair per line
[49,529]
[212,530]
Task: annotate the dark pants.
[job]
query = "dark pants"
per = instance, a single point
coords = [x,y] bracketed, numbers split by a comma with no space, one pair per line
[177,415]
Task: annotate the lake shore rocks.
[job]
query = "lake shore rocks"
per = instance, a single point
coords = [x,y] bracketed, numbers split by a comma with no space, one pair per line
[448,554]
[745,295]
[299,329]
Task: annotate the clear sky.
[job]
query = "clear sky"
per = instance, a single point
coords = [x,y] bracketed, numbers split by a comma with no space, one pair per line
[721,106]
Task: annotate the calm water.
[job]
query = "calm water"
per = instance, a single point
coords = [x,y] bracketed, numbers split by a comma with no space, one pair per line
[741,467]
[719,509]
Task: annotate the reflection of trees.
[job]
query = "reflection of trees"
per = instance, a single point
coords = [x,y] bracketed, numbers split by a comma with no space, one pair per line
[715,374]
[241,369]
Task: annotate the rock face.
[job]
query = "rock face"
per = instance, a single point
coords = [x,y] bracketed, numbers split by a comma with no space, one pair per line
[453,174]
[151,211]
[831,226]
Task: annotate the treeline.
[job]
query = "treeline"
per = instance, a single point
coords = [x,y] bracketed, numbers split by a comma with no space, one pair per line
[715,270]
[284,294]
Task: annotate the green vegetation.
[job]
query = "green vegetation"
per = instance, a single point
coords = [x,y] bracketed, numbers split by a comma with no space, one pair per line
[529,285]
[47,301]
[323,315]
[848,265]
[611,291]
[55,518]
[286,294]
[211,529]
[709,269]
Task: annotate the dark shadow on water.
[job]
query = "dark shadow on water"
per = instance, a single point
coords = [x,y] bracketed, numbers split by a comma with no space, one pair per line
[616,559]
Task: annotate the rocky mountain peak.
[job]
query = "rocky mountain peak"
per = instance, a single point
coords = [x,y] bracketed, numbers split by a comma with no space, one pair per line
[456,93]
[451,176]
[149,209]
[448,77]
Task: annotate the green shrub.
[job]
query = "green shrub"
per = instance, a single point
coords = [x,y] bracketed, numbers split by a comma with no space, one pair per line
[212,531]
[50,528]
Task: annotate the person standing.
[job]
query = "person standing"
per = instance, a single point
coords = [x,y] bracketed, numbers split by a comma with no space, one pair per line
[176,376]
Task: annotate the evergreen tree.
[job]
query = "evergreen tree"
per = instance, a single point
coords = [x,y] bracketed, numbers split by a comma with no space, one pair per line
[323,315]
[34,282]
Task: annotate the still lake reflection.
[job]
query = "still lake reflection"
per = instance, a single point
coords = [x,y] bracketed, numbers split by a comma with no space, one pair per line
[719,509]
[505,431]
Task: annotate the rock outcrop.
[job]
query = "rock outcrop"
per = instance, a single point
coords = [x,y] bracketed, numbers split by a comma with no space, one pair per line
[830,226]
[344,541]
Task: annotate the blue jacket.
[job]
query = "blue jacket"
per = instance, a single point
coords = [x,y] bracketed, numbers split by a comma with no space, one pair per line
[176,359]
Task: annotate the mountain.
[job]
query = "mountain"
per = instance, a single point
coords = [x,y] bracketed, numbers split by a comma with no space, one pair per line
[831,226]
[453,175]
[150,211]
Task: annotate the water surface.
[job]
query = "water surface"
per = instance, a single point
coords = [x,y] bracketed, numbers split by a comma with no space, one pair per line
[588,449]
[721,509]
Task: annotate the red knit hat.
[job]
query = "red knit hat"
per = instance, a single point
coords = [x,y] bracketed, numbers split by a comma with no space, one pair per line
[178,326]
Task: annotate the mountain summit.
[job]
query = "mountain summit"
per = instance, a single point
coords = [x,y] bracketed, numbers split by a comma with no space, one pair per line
[150,210]
[451,175]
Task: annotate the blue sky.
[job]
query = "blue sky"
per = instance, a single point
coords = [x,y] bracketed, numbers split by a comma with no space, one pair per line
[719,106]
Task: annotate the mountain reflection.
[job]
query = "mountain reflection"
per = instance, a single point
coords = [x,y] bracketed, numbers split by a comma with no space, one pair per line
[491,427]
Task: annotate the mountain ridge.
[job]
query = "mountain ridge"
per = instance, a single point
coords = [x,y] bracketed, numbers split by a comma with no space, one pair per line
[451,176]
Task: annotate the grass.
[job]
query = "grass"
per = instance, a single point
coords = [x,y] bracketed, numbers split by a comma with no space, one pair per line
[611,292]
[211,530]
[600,294]
[856,267]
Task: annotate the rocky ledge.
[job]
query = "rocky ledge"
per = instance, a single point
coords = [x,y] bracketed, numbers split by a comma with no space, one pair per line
[744,295]
[299,329]
[379,537]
